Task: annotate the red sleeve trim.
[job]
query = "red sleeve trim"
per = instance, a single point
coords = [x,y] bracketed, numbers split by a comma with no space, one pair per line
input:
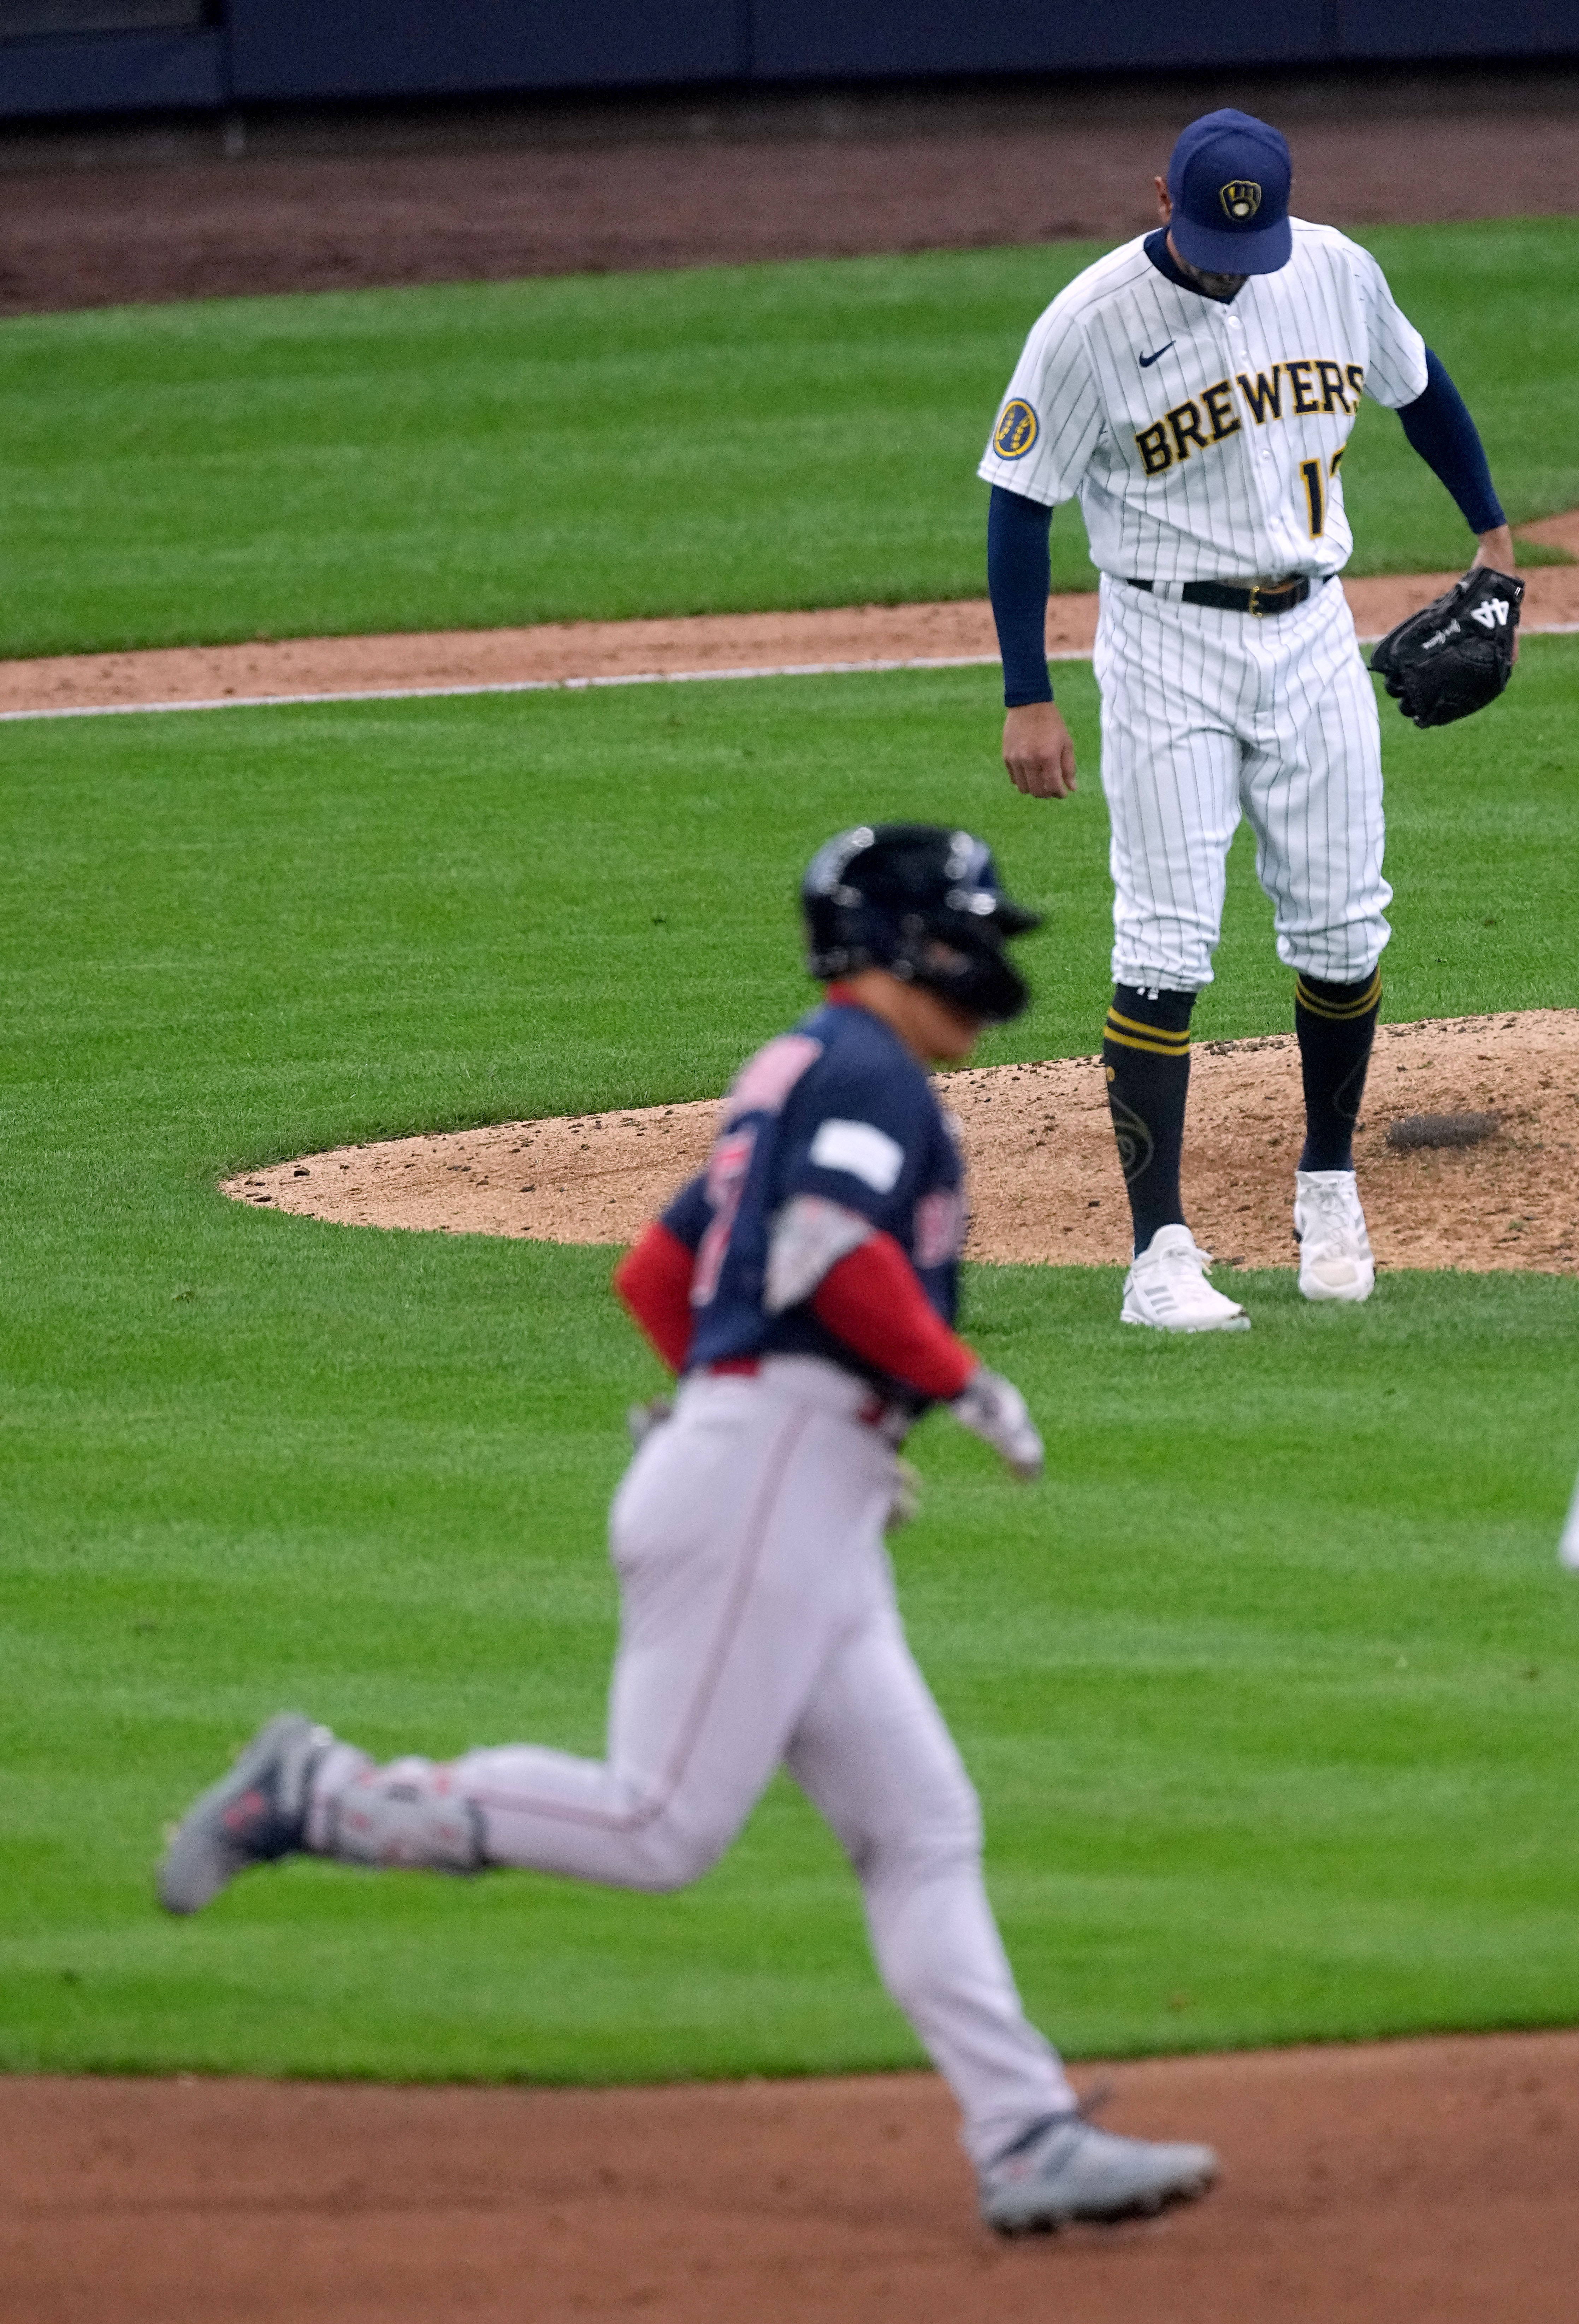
[654,1281]
[872,1300]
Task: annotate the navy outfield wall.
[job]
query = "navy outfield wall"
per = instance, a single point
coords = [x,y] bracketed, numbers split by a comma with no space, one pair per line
[296,49]
[108,56]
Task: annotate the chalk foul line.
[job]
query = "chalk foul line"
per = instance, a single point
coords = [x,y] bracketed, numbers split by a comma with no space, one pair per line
[586,685]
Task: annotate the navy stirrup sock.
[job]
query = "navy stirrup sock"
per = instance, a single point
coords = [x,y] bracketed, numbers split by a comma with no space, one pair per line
[1336,1024]
[1146,1055]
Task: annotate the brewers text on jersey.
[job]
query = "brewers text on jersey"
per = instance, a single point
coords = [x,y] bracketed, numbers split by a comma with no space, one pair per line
[1195,391]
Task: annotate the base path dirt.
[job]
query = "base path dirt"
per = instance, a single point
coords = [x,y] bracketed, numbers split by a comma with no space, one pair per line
[1044,1177]
[560,653]
[1420,2182]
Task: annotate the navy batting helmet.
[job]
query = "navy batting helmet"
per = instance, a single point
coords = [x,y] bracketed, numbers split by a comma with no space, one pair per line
[922,902]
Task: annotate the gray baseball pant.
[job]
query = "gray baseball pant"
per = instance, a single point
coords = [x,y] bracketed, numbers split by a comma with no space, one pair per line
[759,1630]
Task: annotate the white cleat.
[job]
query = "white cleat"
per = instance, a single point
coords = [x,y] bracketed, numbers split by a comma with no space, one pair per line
[1329,1225]
[255,1814]
[1066,2169]
[1167,1288]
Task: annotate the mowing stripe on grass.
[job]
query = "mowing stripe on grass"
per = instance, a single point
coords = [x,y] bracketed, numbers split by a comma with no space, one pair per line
[489,454]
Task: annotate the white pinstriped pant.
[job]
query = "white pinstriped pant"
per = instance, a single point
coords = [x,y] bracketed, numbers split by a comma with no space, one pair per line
[1209,716]
[759,1630]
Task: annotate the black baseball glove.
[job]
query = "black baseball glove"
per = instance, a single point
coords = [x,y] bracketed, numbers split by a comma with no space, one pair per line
[1456,654]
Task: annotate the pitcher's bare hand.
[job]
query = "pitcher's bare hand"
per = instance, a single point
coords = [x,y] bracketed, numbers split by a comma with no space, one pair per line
[1038,752]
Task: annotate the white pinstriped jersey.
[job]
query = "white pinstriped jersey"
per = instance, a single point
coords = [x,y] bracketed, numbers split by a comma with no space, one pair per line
[1203,438]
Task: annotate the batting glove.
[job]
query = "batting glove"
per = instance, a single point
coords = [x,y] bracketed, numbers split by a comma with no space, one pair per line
[994,1409]
[641,1419]
[906,1504]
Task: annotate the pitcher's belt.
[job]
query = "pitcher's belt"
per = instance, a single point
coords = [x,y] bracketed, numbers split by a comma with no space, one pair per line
[1227,598]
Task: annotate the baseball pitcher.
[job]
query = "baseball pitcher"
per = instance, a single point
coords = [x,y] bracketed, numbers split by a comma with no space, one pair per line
[1196,390]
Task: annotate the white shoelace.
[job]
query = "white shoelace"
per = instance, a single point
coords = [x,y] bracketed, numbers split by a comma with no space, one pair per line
[1329,1222]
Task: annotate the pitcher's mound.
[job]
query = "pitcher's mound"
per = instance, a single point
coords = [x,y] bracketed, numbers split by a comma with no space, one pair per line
[1044,1177]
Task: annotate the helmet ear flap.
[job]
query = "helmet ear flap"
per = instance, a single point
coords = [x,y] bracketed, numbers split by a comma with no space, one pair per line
[988,985]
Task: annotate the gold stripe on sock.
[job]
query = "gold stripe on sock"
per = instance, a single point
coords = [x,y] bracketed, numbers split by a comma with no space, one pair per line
[1153,1048]
[1162,1035]
[1342,1012]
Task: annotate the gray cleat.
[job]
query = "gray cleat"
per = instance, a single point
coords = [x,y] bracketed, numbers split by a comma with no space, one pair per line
[1066,2169]
[254,1814]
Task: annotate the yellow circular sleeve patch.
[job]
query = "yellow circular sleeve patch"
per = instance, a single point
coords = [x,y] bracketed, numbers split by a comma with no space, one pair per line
[1017,430]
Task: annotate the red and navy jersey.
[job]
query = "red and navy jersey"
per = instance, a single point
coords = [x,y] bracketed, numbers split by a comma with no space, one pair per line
[837,1108]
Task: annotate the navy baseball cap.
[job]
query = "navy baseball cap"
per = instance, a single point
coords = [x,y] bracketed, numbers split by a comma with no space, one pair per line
[1228,179]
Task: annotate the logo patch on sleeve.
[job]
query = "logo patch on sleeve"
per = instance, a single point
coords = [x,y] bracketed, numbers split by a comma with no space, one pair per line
[862,1149]
[1017,430]
[938,1230]
[1241,197]
[765,1081]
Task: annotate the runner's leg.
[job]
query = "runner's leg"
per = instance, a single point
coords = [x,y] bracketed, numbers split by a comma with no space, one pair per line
[871,1751]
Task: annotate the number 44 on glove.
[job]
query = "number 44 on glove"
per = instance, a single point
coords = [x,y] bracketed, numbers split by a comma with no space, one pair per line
[1456,654]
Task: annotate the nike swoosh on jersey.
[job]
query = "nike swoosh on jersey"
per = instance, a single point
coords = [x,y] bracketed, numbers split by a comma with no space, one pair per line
[1146,361]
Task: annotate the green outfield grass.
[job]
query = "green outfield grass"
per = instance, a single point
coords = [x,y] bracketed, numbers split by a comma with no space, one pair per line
[725,439]
[1271,1690]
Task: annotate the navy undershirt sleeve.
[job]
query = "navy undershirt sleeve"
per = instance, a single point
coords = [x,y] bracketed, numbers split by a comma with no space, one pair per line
[687,1215]
[1019,565]
[1439,427]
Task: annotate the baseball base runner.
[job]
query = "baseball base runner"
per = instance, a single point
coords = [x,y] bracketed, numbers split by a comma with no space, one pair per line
[1196,390]
[804,1288]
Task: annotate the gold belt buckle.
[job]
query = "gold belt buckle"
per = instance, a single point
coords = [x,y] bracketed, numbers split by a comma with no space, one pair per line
[1255,605]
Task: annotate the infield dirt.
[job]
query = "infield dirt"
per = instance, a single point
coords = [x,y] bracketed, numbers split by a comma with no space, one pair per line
[560,653]
[1419,2182]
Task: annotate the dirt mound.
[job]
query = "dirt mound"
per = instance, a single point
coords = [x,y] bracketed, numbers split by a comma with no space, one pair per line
[1044,1179]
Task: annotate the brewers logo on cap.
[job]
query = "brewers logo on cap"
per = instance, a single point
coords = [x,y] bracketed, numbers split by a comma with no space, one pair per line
[1016,431]
[1241,197]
